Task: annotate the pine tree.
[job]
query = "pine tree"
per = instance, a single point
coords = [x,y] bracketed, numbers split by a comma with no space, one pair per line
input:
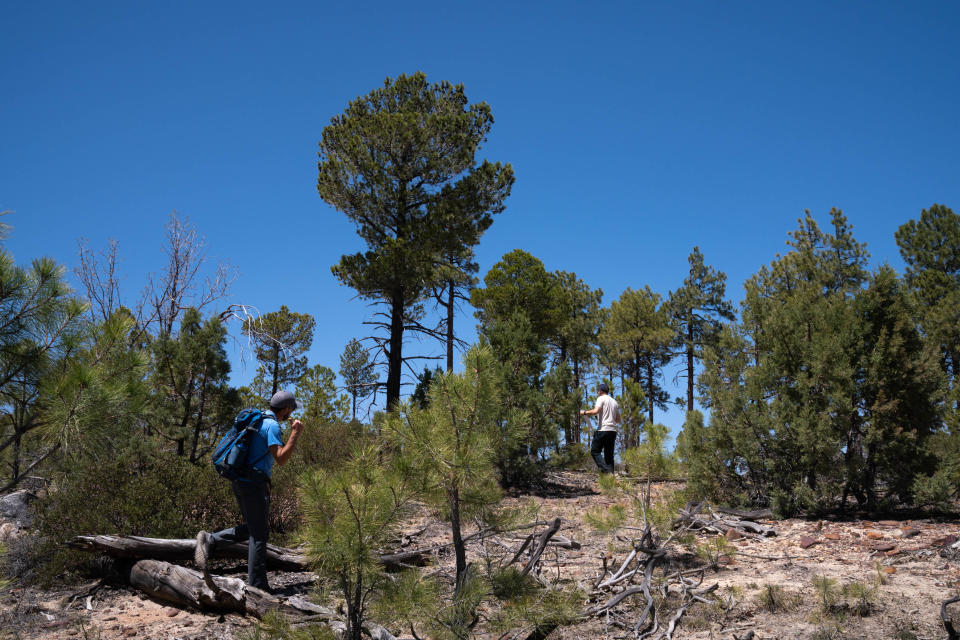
[576,336]
[638,328]
[400,163]
[824,390]
[454,440]
[317,397]
[520,312]
[357,372]
[930,247]
[192,399]
[696,310]
[40,328]
[280,340]
[351,513]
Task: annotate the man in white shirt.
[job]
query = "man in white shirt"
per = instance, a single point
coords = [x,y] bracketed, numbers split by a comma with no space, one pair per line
[608,418]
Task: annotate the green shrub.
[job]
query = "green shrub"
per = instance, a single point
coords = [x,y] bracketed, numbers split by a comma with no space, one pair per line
[321,446]
[935,492]
[861,597]
[510,584]
[774,599]
[606,520]
[274,626]
[575,456]
[157,496]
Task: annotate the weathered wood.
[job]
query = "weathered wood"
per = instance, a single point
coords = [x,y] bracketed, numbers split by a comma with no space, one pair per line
[563,542]
[722,525]
[541,545]
[759,514]
[186,588]
[947,621]
[180,549]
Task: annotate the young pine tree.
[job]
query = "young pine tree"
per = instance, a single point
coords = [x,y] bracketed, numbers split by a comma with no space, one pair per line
[351,512]
[454,441]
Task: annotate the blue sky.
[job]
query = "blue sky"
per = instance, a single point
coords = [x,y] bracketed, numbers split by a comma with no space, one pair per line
[637,130]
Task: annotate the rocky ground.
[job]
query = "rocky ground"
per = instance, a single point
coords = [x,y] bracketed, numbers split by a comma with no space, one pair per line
[907,568]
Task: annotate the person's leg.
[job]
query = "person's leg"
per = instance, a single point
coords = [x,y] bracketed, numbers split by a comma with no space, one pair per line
[256,509]
[610,439]
[596,450]
[238,533]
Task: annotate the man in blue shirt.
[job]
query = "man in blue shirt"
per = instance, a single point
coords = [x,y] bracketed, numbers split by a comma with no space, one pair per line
[253,494]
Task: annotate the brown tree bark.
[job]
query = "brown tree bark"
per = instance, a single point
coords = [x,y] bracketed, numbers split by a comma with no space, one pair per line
[182,549]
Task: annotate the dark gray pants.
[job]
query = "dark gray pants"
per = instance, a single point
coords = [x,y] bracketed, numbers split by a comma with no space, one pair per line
[602,449]
[254,501]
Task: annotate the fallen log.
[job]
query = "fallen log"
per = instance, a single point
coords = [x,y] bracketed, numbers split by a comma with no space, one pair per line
[715,523]
[760,514]
[136,547]
[186,588]
[179,549]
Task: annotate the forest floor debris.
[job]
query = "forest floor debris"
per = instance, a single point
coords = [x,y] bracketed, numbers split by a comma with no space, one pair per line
[889,578]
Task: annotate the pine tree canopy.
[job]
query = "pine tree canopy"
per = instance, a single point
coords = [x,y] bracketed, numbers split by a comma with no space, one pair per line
[400,163]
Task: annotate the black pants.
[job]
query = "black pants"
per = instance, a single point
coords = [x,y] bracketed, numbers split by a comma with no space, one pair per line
[254,501]
[602,449]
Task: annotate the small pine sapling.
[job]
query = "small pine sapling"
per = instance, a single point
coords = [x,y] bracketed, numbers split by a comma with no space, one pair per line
[351,512]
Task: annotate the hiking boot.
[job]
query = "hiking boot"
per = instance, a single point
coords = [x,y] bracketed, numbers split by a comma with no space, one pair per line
[201,555]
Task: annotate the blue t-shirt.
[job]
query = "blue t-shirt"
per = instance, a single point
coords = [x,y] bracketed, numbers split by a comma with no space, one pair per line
[269,435]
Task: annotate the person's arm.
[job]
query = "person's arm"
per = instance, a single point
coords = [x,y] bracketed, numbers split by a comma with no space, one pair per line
[282,454]
[592,412]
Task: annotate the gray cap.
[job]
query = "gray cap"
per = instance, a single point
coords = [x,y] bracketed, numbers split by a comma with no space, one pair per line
[604,387]
[282,400]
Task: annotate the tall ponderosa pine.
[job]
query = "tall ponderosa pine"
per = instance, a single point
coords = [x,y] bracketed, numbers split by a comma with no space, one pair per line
[400,163]
[356,369]
[280,338]
[696,310]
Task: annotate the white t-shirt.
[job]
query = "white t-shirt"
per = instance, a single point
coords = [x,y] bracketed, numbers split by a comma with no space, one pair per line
[609,416]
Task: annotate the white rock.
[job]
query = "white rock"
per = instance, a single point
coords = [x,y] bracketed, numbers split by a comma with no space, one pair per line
[8,532]
[16,508]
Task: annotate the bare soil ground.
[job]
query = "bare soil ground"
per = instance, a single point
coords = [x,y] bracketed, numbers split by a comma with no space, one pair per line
[907,566]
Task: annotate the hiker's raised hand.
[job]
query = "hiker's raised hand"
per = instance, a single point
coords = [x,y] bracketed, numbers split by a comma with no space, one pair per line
[296,425]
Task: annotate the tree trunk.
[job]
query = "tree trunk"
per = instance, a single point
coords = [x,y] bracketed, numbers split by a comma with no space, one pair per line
[355,609]
[650,390]
[198,423]
[395,350]
[449,305]
[459,547]
[276,369]
[15,463]
[576,385]
[689,367]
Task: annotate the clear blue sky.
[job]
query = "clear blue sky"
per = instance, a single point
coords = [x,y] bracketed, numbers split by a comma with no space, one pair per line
[636,129]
